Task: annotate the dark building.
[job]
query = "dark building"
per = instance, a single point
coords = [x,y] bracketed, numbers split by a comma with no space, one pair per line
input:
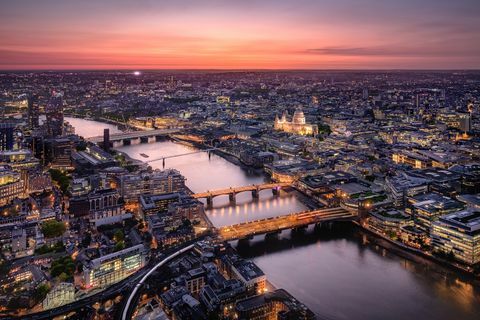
[54,113]
[106,139]
[7,136]
[32,112]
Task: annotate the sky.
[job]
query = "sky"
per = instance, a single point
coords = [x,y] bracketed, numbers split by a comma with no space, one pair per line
[239,34]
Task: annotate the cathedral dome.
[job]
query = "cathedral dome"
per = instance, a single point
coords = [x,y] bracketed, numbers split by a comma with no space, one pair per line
[298,117]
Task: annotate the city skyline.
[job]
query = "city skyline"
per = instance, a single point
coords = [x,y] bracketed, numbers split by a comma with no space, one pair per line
[239,35]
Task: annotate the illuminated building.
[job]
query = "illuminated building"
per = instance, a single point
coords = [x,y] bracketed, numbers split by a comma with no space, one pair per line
[465,122]
[401,186]
[271,306]
[61,294]
[11,185]
[388,221]
[426,209]
[106,207]
[298,124]
[223,99]
[54,113]
[458,234]
[411,158]
[155,182]
[113,267]
[18,159]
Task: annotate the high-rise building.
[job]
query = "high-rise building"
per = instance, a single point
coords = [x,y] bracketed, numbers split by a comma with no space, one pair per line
[32,112]
[106,139]
[465,121]
[365,94]
[54,113]
[7,136]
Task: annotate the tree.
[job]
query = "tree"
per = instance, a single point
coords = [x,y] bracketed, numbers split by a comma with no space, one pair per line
[61,179]
[53,228]
[63,265]
[118,236]
[41,292]
[119,246]
[86,240]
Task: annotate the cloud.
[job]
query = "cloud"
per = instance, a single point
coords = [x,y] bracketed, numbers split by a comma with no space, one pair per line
[439,50]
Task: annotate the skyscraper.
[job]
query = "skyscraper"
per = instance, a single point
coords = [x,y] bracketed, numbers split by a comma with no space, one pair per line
[32,112]
[54,113]
[465,121]
[6,136]
[106,139]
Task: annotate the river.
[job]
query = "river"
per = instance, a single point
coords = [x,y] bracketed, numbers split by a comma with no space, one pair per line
[338,272]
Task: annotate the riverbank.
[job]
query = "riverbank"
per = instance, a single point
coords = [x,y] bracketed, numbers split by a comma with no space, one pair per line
[417,255]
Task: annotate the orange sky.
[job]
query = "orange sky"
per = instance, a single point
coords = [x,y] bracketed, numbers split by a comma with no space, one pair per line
[305,34]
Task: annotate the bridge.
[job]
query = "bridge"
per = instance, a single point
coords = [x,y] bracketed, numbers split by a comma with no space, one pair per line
[277,224]
[127,138]
[232,191]
[181,155]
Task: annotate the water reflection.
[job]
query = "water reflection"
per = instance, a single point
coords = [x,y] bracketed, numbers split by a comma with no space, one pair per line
[90,128]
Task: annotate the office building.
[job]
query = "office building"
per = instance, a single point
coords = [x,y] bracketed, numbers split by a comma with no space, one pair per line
[113,267]
[61,294]
[465,121]
[458,234]
[54,113]
[7,139]
[273,305]
[106,207]
[156,182]
[11,185]
[33,112]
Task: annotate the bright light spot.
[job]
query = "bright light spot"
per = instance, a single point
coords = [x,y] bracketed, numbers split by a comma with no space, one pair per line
[136,73]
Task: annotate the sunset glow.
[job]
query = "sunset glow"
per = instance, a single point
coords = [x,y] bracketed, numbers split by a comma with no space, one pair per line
[190,34]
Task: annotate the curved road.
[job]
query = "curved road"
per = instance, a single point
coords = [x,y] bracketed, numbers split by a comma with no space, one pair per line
[139,284]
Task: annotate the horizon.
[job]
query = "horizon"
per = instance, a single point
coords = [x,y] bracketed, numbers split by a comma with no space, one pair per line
[247,35]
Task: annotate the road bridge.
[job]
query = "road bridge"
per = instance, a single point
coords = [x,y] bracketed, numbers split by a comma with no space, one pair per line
[277,224]
[127,138]
[233,191]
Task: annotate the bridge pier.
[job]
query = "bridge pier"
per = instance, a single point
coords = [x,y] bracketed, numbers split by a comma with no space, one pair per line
[275,191]
[298,231]
[255,194]
[232,197]
[127,142]
[152,139]
[144,139]
[272,235]
[209,201]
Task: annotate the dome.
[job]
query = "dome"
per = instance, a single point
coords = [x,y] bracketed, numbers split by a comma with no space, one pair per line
[298,117]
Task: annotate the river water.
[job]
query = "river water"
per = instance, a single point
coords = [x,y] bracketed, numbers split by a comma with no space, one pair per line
[338,271]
